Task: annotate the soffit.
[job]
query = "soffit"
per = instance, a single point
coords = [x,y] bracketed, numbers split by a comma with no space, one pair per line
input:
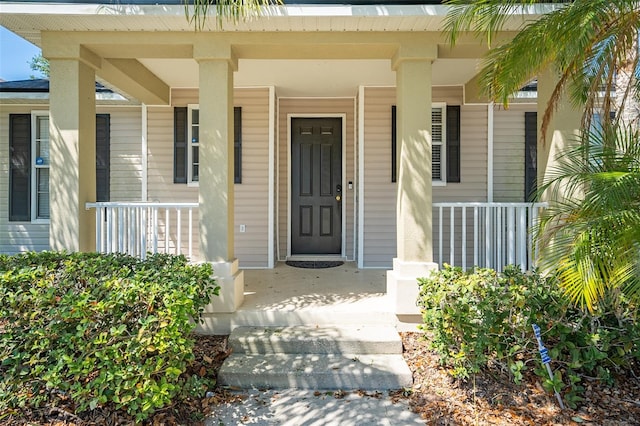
[28,19]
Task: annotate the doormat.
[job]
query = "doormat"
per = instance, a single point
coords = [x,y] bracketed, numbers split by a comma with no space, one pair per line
[314,264]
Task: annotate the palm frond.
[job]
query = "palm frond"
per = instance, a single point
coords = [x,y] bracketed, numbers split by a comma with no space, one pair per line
[198,11]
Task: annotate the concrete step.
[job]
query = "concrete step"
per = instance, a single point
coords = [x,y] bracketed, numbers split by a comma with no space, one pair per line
[220,323]
[316,340]
[315,371]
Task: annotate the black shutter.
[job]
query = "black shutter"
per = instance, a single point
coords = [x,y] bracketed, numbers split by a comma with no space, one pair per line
[103,154]
[20,167]
[530,154]
[453,143]
[180,145]
[237,145]
[394,144]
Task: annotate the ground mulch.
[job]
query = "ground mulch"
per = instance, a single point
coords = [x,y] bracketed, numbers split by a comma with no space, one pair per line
[494,399]
[486,399]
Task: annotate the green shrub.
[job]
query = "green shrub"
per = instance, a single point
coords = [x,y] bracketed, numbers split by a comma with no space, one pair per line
[99,329]
[483,319]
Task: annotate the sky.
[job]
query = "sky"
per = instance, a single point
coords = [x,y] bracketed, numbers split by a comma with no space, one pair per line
[15,54]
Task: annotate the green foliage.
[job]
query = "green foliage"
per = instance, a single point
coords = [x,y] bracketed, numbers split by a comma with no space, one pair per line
[593,43]
[99,329]
[483,319]
[40,65]
[590,234]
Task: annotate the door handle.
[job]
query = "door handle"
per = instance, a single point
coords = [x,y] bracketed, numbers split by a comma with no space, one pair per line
[338,198]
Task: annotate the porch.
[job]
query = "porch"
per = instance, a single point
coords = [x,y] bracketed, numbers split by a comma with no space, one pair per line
[464,234]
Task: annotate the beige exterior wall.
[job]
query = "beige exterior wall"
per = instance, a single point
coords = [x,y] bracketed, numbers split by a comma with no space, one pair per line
[125,179]
[379,197]
[508,152]
[251,196]
[308,107]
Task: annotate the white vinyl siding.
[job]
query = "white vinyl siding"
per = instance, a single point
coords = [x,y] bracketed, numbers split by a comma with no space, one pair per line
[308,107]
[125,146]
[379,197]
[508,152]
[250,197]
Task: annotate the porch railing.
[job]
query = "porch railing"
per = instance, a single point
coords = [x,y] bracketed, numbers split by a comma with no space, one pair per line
[138,228]
[490,235]
[464,234]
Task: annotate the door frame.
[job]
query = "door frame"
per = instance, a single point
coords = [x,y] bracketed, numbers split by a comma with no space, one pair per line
[343,166]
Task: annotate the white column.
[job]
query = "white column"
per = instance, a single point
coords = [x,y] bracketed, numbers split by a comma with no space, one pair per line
[72,181]
[414,200]
[563,130]
[216,201]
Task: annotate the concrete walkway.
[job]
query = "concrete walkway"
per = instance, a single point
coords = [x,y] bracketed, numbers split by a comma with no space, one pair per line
[309,408]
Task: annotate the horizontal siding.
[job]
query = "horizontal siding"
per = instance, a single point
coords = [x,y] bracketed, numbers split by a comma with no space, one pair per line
[379,195]
[315,106]
[125,179]
[508,152]
[126,153]
[251,196]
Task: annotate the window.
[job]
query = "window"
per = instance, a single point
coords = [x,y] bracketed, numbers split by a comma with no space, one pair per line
[445,143]
[40,172]
[186,157]
[29,162]
[194,145]
[438,135]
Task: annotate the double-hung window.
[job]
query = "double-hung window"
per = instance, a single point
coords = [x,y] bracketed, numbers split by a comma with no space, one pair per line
[41,161]
[193,146]
[445,143]
[29,163]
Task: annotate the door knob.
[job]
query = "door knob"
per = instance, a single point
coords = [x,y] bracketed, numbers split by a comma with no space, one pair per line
[338,198]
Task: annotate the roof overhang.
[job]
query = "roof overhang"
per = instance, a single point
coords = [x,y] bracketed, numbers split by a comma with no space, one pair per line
[333,73]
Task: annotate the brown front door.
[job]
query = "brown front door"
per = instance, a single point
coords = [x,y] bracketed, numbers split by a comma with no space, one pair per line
[316,186]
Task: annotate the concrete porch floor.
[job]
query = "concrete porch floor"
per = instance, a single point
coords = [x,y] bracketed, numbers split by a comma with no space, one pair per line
[285,296]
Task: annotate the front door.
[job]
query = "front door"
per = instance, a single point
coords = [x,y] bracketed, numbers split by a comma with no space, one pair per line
[316,186]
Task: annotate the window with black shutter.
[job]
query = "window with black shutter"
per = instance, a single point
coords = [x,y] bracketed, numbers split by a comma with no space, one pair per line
[445,143]
[187,144]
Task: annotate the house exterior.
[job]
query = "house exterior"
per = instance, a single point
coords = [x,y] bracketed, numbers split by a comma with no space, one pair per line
[319,130]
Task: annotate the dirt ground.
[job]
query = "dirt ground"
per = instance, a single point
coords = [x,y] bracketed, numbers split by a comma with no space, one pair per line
[483,400]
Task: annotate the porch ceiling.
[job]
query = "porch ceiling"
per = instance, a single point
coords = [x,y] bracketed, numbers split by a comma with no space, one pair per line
[310,78]
[314,69]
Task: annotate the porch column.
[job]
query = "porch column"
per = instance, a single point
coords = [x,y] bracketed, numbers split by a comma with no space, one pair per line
[414,201]
[72,127]
[216,66]
[563,130]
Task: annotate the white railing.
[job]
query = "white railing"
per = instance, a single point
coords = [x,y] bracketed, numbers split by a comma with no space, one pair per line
[490,235]
[138,228]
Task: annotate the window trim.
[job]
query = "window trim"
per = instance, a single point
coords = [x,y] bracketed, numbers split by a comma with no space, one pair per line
[190,144]
[34,167]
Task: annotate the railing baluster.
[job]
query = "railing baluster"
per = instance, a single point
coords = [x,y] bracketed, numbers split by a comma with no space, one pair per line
[452,227]
[179,232]
[440,210]
[476,242]
[522,238]
[190,233]
[464,238]
[166,230]
[511,237]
